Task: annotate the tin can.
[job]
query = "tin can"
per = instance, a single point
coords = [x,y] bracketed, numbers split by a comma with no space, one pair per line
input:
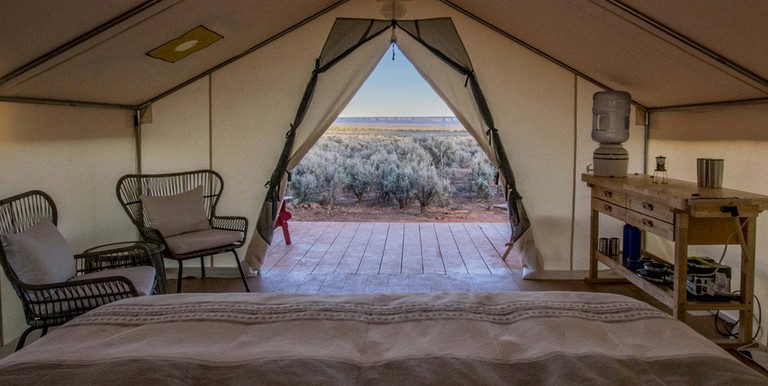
[602,245]
[613,246]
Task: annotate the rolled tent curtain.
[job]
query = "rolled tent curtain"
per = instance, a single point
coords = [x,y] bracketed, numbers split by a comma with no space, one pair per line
[440,38]
[465,98]
[326,95]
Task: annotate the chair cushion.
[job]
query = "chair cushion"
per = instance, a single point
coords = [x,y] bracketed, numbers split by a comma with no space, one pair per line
[177,214]
[202,240]
[40,254]
[142,277]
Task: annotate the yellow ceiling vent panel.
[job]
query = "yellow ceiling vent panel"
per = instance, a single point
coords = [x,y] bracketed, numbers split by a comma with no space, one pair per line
[181,47]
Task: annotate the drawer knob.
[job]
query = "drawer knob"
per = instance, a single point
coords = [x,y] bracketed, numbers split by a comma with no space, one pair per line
[648,223]
[608,208]
[648,206]
[608,194]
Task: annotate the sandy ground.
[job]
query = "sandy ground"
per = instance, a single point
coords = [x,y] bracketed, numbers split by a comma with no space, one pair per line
[348,210]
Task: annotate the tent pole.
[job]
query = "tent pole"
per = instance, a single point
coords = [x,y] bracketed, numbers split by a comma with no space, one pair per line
[693,106]
[60,102]
[137,137]
[646,140]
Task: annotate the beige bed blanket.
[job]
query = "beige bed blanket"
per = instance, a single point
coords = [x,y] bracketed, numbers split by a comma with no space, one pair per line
[444,339]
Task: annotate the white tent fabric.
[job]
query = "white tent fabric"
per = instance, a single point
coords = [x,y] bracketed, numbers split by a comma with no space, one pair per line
[450,86]
[334,89]
[327,95]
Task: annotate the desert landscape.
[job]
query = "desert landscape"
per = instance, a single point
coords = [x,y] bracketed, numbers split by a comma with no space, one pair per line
[396,169]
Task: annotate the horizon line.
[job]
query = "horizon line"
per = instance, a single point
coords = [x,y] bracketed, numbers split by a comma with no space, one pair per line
[396,116]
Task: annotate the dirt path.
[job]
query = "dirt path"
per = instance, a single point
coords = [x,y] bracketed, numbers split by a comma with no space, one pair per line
[347,210]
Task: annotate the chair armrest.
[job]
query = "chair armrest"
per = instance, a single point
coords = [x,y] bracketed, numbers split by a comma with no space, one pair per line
[117,287]
[230,223]
[54,304]
[94,259]
[152,234]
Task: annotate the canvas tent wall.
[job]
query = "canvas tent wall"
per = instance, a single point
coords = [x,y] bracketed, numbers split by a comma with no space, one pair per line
[542,108]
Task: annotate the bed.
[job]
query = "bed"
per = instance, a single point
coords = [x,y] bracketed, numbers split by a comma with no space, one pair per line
[449,338]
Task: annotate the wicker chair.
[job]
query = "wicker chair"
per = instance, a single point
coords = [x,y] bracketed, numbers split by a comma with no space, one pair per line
[53,284]
[216,235]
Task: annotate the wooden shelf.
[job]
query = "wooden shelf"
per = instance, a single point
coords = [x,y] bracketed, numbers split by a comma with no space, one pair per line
[686,214]
[663,292]
[659,291]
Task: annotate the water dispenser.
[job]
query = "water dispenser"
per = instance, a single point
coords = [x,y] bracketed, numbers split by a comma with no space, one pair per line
[610,128]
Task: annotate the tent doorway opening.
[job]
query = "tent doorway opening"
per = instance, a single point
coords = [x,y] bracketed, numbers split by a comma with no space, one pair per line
[396,153]
[348,57]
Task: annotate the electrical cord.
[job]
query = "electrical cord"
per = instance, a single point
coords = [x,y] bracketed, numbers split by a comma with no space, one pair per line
[729,327]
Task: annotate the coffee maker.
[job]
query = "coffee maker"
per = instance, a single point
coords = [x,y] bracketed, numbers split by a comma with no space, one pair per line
[610,128]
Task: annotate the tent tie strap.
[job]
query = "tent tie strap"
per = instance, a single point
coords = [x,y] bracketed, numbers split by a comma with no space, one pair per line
[290,131]
[490,137]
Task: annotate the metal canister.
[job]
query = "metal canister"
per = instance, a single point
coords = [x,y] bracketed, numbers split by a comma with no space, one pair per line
[613,246]
[701,171]
[602,245]
[715,169]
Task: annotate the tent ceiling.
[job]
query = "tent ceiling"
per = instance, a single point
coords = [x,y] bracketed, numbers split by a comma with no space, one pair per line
[113,67]
[599,39]
[621,51]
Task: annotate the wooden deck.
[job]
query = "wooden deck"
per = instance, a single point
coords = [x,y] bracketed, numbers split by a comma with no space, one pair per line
[335,257]
[369,257]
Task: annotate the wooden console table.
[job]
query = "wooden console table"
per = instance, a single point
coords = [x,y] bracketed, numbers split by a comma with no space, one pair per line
[687,214]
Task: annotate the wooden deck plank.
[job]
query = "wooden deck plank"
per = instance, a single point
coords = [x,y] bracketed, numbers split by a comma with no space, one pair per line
[354,284]
[371,261]
[494,283]
[451,283]
[392,258]
[469,253]
[432,259]
[311,284]
[336,251]
[333,284]
[350,262]
[485,248]
[412,259]
[398,284]
[419,284]
[298,249]
[264,282]
[376,284]
[496,237]
[310,259]
[448,250]
[499,234]
[290,283]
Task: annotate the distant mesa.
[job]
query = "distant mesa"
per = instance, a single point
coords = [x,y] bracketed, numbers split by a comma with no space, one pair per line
[410,121]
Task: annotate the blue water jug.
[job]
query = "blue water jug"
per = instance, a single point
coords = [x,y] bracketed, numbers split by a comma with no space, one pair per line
[631,243]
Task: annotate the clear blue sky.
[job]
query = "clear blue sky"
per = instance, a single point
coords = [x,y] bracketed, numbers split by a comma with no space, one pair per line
[395,89]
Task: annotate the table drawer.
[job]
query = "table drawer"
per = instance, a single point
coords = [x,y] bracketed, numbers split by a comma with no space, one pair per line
[609,208]
[651,208]
[650,224]
[618,198]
